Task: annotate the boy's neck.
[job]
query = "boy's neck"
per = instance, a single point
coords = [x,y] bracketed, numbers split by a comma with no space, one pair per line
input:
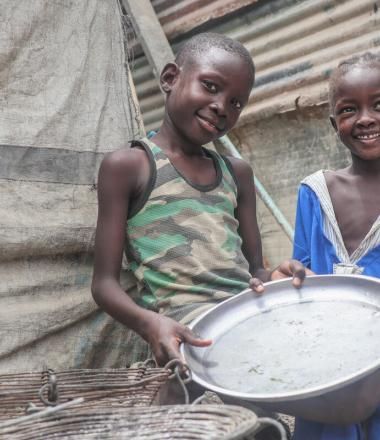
[191,161]
[169,140]
[368,168]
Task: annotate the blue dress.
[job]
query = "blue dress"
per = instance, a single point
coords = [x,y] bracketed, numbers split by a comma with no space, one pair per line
[318,244]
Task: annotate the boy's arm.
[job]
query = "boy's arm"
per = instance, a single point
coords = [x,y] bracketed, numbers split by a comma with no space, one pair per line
[120,177]
[250,234]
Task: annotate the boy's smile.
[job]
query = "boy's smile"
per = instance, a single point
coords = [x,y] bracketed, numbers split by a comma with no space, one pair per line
[212,124]
[206,96]
[356,110]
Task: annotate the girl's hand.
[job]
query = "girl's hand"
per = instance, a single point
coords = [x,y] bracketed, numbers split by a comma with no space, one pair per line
[287,269]
[291,268]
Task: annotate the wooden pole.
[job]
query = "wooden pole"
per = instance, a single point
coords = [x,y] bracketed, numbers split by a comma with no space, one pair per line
[150,34]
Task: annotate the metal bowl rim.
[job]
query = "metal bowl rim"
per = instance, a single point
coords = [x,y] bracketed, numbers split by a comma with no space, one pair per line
[296,395]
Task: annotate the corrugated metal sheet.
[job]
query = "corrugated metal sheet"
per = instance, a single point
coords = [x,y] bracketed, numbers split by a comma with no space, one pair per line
[295,44]
[178,17]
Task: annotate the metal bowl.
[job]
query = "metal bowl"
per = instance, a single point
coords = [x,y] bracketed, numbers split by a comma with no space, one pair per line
[311,352]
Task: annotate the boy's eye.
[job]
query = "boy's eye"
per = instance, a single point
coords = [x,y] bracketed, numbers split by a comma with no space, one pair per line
[377,105]
[237,104]
[210,86]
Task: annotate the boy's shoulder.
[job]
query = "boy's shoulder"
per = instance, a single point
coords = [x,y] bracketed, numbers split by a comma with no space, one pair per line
[242,174]
[126,167]
[125,157]
[239,166]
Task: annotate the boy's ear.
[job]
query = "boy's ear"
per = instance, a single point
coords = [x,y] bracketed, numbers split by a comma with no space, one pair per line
[333,123]
[169,76]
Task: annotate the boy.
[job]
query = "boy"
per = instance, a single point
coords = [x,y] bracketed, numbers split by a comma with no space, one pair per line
[185,216]
[338,214]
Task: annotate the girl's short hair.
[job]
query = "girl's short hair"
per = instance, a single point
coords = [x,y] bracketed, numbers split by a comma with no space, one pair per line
[367,59]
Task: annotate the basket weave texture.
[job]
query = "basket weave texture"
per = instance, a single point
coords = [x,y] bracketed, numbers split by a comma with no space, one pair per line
[184,422]
[99,388]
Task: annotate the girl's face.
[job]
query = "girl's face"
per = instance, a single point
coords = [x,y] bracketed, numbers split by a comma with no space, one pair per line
[356,111]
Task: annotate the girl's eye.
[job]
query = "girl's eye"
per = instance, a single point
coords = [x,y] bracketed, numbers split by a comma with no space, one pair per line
[377,105]
[346,110]
[210,86]
[237,104]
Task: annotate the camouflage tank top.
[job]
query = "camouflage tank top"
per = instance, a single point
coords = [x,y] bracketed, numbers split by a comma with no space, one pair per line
[182,243]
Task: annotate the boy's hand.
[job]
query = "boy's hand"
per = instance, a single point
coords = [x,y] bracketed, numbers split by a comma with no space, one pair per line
[165,336]
[287,269]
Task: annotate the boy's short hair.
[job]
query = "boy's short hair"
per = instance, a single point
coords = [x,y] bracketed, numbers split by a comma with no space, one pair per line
[202,43]
[368,59]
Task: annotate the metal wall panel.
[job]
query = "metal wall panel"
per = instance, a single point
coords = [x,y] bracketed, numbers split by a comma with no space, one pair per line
[294,43]
[179,17]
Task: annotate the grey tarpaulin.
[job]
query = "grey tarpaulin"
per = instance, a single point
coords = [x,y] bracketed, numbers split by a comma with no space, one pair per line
[65,99]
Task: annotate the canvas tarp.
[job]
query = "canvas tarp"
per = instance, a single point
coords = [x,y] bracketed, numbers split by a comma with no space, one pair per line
[65,98]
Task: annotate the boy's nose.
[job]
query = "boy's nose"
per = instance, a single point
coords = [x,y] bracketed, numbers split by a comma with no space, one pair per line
[365,119]
[219,106]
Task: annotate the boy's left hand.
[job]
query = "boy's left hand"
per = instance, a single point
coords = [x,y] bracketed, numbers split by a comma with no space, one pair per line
[287,269]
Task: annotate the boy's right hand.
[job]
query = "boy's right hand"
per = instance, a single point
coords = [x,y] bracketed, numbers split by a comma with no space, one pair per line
[165,335]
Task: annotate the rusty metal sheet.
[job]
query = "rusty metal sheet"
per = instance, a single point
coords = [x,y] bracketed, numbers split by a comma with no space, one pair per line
[295,45]
[179,17]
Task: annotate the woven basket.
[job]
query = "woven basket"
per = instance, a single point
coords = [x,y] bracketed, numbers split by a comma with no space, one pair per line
[184,422]
[99,388]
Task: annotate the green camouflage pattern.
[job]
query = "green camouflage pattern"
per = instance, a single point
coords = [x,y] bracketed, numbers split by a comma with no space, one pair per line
[183,246]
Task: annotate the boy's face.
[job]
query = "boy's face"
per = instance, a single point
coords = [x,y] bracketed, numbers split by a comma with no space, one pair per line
[356,111]
[205,96]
